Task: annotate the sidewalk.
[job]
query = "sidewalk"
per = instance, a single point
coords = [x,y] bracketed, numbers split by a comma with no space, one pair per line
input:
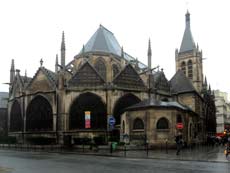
[210,154]
[198,153]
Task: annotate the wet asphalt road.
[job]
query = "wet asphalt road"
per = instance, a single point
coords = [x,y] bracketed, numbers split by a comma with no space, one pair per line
[32,162]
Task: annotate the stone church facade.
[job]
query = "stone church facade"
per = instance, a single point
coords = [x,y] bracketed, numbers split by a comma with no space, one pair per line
[103,81]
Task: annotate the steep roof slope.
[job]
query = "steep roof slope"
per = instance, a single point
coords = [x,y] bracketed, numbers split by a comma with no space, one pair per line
[180,83]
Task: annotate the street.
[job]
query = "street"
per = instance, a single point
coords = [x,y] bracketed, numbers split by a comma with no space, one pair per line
[37,162]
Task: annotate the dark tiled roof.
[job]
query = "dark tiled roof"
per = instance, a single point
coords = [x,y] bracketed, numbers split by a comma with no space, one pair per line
[159,81]
[129,78]
[86,76]
[180,83]
[151,103]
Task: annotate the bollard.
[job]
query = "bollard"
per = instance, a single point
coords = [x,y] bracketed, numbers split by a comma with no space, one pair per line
[147,149]
[125,150]
[166,146]
[111,148]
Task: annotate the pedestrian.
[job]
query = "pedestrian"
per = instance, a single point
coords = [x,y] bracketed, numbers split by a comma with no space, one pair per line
[179,141]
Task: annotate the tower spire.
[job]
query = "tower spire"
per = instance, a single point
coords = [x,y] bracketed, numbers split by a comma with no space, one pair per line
[187,19]
[12,72]
[63,51]
[187,43]
[149,55]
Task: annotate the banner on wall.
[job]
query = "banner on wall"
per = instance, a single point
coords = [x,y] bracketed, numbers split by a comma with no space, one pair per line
[87,120]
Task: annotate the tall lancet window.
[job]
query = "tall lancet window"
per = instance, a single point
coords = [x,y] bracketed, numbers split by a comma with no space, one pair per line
[190,71]
[101,68]
[183,67]
[115,70]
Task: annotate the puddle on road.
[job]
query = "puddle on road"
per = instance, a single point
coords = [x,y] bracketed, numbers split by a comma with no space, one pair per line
[5,170]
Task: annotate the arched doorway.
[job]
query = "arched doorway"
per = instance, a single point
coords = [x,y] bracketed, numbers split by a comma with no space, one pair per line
[16,120]
[92,103]
[39,115]
[122,103]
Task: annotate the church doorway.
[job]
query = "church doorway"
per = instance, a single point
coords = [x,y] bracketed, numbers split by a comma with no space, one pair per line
[39,115]
[122,103]
[91,103]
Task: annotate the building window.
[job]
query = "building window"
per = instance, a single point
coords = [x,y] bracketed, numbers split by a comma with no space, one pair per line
[178,119]
[101,68]
[162,123]
[115,70]
[165,99]
[190,72]
[138,124]
[183,67]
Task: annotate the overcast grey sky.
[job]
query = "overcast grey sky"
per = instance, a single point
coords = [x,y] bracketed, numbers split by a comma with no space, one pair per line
[31,30]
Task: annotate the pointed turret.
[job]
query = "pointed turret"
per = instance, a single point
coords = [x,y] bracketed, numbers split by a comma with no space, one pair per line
[209,89]
[56,64]
[187,43]
[149,56]
[205,83]
[12,72]
[63,51]
[122,52]
[25,77]
[41,62]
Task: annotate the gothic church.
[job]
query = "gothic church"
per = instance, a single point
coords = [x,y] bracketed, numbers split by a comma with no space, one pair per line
[103,82]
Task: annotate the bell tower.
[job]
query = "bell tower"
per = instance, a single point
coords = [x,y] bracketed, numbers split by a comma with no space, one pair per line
[189,57]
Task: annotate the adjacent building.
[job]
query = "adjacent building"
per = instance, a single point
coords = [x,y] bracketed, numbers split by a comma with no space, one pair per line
[222,111]
[3,112]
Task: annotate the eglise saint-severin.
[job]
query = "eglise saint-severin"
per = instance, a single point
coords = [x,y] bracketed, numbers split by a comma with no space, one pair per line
[103,81]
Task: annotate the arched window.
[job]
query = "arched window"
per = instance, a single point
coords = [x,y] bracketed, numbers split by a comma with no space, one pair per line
[123,127]
[39,115]
[190,71]
[183,67]
[101,68]
[138,124]
[162,123]
[115,70]
[178,119]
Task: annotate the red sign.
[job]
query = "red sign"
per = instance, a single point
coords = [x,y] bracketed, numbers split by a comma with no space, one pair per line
[87,120]
[179,126]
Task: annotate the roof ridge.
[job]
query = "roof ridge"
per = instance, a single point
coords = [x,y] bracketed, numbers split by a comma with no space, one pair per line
[101,26]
